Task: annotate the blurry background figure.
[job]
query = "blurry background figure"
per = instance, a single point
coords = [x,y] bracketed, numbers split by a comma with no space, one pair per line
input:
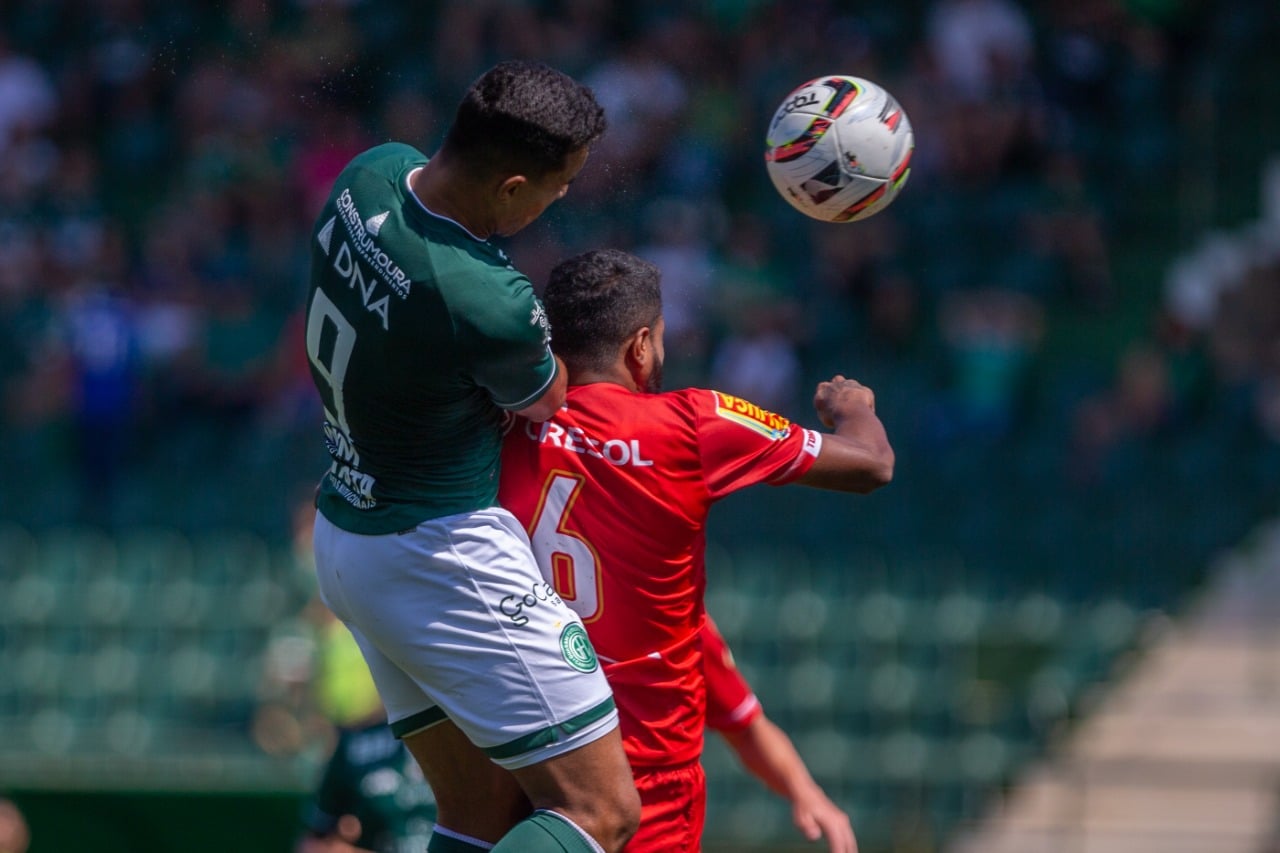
[758,359]
[14,835]
[371,795]
[991,337]
[319,701]
[680,236]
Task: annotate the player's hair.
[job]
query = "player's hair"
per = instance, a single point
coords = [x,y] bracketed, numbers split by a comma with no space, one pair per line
[595,301]
[522,117]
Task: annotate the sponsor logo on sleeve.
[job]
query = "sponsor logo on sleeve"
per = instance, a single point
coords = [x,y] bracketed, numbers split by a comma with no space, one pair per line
[812,442]
[538,317]
[751,416]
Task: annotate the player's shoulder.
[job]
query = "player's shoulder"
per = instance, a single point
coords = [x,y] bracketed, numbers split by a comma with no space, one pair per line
[737,410]
[389,157]
[488,306]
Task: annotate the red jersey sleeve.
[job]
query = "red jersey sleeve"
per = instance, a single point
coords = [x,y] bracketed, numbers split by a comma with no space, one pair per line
[731,705]
[742,444]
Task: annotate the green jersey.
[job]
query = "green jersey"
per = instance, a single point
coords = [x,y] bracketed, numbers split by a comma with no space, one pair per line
[372,776]
[419,335]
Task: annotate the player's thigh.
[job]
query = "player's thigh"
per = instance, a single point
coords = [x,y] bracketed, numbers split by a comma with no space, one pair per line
[459,608]
[672,810]
[473,795]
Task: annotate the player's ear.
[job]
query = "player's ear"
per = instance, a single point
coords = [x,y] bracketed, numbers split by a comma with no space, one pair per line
[510,187]
[640,354]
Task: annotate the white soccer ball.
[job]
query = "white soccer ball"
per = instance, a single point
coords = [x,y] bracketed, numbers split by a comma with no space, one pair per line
[839,148]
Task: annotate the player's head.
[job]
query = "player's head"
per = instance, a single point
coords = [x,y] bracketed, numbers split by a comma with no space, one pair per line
[523,117]
[527,121]
[605,308]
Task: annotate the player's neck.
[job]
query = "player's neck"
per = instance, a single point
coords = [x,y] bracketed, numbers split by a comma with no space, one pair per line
[611,377]
[443,195]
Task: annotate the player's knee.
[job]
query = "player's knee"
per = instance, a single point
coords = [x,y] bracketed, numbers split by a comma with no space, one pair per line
[627,808]
[620,817]
[629,814]
[610,816]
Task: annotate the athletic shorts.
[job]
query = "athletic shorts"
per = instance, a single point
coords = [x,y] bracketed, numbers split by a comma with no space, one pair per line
[673,807]
[456,621]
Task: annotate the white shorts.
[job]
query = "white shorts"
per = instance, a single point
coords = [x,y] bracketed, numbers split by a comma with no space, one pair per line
[455,620]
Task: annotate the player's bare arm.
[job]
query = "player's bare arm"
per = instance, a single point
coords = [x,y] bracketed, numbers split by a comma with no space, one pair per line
[856,456]
[766,751]
[551,400]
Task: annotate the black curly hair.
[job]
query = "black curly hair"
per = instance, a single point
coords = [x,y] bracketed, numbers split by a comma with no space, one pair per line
[595,301]
[522,117]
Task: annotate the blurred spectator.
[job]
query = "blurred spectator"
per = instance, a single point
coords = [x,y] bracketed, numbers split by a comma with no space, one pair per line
[15,837]
[28,99]
[991,336]
[643,97]
[318,700]
[680,244]
[371,795]
[980,45]
[201,138]
[228,373]
[759,320]
[102,345]
[1139,405]
[758,360]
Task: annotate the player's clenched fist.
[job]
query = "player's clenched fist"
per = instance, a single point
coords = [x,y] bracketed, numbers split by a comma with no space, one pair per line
[837,395]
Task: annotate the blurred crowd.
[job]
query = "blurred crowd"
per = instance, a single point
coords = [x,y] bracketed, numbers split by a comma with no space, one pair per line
[160,165]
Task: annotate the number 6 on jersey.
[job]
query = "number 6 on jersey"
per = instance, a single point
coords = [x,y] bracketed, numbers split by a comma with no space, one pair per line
[571,561]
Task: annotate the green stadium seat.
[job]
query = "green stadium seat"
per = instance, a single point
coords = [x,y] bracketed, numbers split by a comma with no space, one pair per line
[1038,618]
[893,688]
[959,618]
[186,602]
[802,614]
[811,685]
[262,601]
[75,554]
[905,754]
[17,551]
[1111,624]
[114,670]
[755,816]
[106,600]
[983,757]
[52,729]
[881,616]
[231,557]
[30,599]
[152,555]
[127,731]
[833,755]
[191,672]
[38,670]
[771,569]
[733,609]
[853,572]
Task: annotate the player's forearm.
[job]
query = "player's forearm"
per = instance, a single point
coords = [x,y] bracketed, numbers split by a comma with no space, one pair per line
[770,756]
[856,456]
[861,428]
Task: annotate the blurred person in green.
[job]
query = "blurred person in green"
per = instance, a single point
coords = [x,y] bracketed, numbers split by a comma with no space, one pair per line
[371,795]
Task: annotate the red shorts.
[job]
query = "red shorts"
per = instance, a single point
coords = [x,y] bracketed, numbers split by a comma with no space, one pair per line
[673,807]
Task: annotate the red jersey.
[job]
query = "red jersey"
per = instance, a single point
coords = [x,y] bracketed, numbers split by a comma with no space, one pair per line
[614,491]
[731,703]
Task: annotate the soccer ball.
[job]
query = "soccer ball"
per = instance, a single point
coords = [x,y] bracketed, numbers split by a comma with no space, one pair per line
[839,148]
